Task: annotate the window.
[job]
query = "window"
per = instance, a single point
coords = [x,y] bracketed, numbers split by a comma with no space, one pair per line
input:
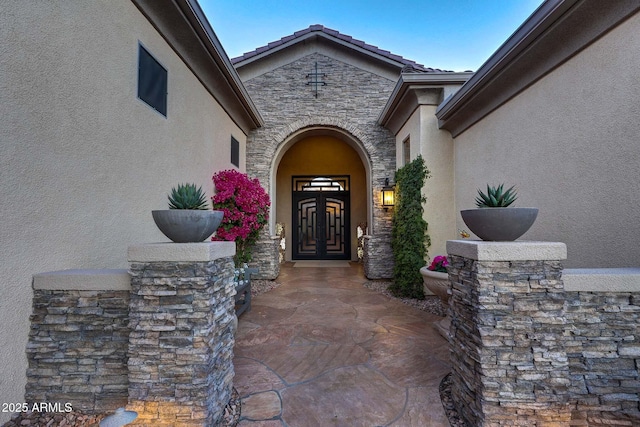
[406,151]
[235,152]
[321,183]
[152,81]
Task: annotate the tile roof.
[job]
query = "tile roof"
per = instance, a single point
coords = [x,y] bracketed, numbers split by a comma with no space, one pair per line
[408,65]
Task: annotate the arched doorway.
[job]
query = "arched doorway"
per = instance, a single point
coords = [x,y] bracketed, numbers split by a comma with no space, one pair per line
[321,195]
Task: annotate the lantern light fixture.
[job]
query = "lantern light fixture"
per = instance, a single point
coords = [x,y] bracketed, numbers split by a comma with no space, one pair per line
[388,195]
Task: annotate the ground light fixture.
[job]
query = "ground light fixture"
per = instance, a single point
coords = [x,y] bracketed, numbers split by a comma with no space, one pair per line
[120,418]
[388,195]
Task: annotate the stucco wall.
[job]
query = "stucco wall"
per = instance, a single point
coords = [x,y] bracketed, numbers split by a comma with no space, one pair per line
[82,160]
[410,130]
[436,147]
[570,145]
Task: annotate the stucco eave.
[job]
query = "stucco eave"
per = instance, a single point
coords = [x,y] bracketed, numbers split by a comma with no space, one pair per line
[413,90]
[184,26]
[554,33]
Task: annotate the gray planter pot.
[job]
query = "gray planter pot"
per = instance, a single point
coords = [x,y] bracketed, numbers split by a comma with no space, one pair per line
[499,224]
[187,226]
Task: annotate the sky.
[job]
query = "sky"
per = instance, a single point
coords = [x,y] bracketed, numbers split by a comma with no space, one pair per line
[454,35]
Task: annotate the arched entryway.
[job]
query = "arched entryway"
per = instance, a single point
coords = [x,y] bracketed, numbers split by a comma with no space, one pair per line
[321,193]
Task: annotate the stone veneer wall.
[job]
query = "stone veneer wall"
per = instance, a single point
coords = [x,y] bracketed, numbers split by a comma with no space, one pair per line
[525,351]
[266,256]
[157,339]
[603,346]
[378,257]
[77,349]
[350,103]
[182,323]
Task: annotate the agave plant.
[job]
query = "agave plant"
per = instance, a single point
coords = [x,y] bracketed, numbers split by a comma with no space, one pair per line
[496,197]
[187,196]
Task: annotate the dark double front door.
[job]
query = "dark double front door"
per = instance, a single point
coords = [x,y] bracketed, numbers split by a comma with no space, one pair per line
[321,218]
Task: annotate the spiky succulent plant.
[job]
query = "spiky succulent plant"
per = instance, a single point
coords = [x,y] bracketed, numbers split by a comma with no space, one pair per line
[496,197]
[187,196]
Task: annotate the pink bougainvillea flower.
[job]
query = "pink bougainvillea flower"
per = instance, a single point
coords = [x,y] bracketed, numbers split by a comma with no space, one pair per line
[246,210]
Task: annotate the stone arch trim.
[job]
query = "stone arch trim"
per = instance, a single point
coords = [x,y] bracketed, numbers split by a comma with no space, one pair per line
[283,136]
[375,144]
[377,148]
[298,129]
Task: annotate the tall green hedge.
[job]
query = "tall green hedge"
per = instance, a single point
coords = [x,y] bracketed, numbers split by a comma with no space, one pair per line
[409,238]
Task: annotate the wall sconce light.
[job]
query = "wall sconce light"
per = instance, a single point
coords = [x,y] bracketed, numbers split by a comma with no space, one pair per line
[388,195]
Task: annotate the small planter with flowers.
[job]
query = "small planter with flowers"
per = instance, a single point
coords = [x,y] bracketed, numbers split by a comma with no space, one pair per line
[436,280]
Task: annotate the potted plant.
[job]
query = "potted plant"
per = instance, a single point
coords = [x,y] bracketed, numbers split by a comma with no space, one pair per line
[494,219]
[436,279]
[188,219]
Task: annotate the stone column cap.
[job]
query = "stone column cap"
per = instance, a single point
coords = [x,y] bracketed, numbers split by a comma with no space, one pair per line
[181,252]
[83,280]
[602,279]
[519,250]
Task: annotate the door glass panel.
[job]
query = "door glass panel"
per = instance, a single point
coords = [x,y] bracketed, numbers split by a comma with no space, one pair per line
[334,225]
[307,226]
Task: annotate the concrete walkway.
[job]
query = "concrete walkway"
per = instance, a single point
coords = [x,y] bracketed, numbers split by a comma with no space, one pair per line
[323,350]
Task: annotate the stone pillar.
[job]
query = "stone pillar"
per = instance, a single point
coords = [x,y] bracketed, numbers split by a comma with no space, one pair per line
[182,324]
[510,366]
[378,257]
[266,256]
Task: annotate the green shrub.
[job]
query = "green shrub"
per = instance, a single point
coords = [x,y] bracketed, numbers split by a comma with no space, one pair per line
[409,238]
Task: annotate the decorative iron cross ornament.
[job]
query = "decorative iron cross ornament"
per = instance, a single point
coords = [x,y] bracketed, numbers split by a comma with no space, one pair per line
[316,80]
